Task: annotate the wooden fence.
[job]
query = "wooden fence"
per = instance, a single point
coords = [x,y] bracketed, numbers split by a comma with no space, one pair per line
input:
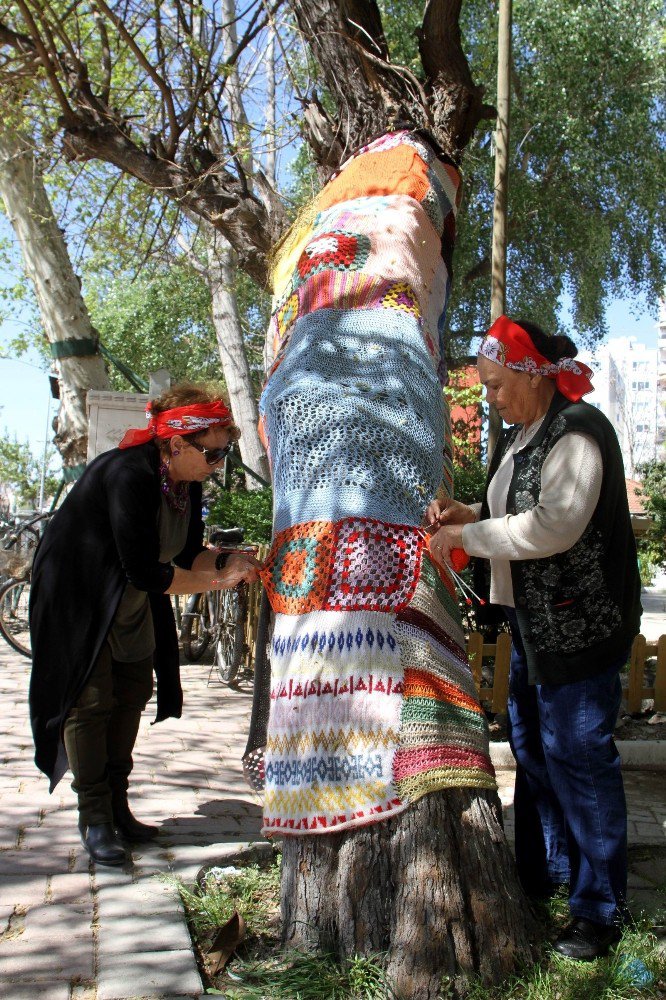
[635,690]
[498,655]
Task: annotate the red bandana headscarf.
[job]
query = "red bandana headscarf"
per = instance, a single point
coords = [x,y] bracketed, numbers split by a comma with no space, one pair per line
[190,419]
[507,344]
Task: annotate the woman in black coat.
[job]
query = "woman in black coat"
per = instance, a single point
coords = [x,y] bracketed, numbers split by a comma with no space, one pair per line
[128,535]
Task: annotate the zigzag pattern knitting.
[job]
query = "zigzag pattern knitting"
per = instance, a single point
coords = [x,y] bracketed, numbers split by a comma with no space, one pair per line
[372,701]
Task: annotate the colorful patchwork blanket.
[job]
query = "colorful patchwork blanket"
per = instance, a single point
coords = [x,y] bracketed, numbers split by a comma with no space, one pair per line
[372,700]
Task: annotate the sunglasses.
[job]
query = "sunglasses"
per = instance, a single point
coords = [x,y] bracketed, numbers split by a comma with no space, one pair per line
[212,455]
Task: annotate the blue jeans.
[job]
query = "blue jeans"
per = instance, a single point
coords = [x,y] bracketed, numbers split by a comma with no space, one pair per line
[570,809]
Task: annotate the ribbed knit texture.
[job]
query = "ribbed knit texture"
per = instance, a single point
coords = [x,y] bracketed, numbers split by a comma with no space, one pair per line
[372,699]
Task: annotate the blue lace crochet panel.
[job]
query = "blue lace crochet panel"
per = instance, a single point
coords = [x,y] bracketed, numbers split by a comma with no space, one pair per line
[354,420]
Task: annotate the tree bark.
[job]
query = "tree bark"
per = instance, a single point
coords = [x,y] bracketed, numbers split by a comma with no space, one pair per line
[434,889]
[347,41]
[63,312]
[221,277]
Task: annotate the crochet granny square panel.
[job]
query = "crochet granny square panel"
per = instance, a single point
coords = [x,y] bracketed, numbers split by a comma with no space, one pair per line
[372,700]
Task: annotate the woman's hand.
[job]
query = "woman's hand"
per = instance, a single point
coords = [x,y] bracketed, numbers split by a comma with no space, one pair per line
[240,567]
[447,538]
[447,511]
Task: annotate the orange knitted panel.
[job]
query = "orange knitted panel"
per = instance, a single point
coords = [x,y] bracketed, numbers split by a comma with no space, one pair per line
[393,171]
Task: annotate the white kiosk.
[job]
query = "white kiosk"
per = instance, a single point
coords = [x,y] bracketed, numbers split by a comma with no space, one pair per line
[110,414]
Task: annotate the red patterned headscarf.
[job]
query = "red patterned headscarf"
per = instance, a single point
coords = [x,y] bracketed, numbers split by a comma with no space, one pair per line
[190,419]
[507,344]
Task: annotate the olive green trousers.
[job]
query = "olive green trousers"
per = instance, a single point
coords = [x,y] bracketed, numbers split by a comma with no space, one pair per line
[101,730]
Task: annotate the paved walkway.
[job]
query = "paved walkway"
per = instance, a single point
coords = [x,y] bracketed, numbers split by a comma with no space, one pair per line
[72,931]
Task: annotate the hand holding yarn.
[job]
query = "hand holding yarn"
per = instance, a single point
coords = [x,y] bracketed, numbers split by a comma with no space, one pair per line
[444,541]
[459,560]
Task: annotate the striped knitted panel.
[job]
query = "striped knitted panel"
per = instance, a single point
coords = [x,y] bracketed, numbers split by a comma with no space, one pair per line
[336,697]
[443,731]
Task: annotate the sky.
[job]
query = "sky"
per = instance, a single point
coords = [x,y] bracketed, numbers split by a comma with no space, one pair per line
[25,397]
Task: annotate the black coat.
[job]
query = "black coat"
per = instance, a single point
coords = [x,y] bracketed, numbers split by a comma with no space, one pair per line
[104,536]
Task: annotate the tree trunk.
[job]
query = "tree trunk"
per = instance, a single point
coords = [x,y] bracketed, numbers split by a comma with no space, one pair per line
[63,312]
[434,889]
[221,274]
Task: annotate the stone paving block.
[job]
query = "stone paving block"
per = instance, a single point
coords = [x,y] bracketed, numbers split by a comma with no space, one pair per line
[45,838]
[9,838]
[139,933]
[46,991]
[15,813]
[72,888]
[148,889]
[172,973]
[23,890]
[30,961]
[51,921]
[114,904]
[80,863]
[111,876]
[33,862]
[650,833]
[6,911]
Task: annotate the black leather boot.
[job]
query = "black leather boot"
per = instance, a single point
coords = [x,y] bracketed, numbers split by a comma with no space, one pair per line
[585,940]
[102,844]
[126,824]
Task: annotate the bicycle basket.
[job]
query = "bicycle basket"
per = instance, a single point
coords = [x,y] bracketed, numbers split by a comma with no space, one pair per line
[15,564]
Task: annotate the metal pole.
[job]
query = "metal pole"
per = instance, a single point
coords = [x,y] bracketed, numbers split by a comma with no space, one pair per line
[498,267]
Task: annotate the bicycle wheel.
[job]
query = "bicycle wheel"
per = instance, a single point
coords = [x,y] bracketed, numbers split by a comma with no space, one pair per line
[197,627]
[14,597]
[230,642]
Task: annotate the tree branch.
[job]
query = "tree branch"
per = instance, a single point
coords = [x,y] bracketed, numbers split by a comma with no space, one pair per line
[162,85]
[45,60]
[216,195]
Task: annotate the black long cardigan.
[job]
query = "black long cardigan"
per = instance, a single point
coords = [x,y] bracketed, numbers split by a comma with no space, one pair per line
[104,536]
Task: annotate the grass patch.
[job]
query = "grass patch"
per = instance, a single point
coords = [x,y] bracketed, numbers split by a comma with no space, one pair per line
[252,890]
[305,977]
[634,969]
[262,970]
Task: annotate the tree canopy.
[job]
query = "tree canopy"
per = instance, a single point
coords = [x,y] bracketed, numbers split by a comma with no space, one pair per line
[652,545]
[22,472]
[150,94]
[587,218]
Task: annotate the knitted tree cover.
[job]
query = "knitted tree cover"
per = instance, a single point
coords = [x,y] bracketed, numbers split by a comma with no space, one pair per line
[372,701]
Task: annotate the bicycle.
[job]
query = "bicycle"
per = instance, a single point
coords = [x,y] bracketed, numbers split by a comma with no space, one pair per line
[18,550]
[219,618]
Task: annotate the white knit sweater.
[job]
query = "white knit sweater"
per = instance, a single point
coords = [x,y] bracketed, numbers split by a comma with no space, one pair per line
[570,487]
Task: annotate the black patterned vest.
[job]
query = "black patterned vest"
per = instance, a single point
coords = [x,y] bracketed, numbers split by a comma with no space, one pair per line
[578,610]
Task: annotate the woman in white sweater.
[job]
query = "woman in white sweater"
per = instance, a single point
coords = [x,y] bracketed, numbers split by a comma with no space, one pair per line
[553,529]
